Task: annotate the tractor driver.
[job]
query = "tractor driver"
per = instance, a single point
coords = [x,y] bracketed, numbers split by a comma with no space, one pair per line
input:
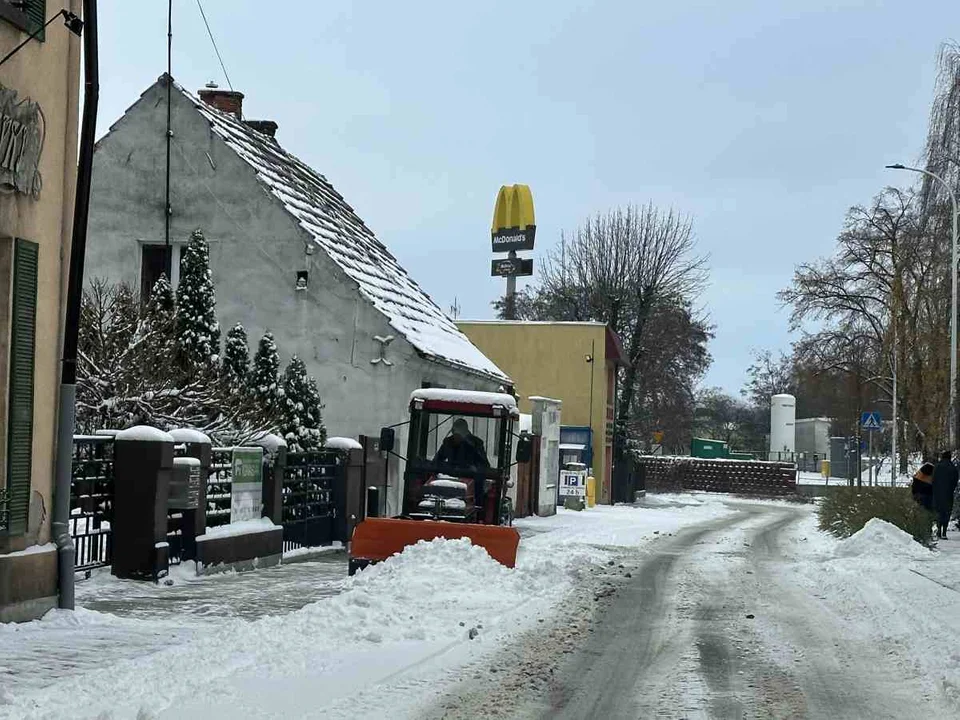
[462,449]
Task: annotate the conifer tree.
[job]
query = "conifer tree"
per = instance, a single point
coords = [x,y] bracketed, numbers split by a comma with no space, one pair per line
[302,426]
[198,333]
[236,363]
[265,380]
[158,323]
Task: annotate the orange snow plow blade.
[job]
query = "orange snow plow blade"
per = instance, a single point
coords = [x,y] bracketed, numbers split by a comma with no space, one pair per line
[376,539]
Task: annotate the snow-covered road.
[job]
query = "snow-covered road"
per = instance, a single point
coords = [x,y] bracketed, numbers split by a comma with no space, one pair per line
[754,615]
[691,606]
[295,642]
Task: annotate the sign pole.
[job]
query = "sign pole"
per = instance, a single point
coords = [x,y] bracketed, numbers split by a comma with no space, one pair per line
[870,455]
[512,290]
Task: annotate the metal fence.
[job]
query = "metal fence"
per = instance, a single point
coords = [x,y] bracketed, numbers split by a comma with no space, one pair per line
[219,487]
[309,508]
[91,501]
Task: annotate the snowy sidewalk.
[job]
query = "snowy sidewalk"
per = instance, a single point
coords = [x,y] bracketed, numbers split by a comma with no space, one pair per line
[272,591]
[892,592]
[238,647]
[118,619]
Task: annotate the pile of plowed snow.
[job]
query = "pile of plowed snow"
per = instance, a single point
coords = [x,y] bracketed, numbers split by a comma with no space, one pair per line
[432,595]
[882,540]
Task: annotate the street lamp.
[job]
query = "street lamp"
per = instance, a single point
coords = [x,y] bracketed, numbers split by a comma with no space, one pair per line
[73,23]
[953,302]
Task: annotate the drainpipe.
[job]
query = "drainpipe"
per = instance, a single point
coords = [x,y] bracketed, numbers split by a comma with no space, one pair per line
[71,327]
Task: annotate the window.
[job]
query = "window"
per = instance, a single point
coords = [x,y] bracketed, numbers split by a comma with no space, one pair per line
[155,260]
[27,15]
[19,438]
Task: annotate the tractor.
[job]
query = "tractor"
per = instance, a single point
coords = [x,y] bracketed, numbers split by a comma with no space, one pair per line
[456,477]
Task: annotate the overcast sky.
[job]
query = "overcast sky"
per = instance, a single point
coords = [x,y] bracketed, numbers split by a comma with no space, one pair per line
[764,124]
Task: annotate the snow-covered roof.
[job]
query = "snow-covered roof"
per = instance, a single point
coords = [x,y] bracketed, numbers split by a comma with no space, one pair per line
[336,228]
[467,397]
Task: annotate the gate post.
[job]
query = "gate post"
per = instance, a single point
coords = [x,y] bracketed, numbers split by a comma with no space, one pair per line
[355,510]
[195,520]
[143,462]
[275,464]
[348,493]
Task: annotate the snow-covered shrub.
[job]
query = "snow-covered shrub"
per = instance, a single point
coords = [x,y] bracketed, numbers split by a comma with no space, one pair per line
[158,363]
[235,370]
[265,377]
[302,427]
[847,509]
[198,332]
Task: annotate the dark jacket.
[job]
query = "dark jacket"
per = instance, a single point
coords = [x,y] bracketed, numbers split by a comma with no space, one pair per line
[945,478]
[469,452]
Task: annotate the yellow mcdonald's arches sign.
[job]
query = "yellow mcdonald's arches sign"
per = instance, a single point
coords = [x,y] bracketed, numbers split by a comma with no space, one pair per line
[514,226]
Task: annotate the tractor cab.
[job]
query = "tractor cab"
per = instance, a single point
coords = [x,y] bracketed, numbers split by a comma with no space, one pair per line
[458,455]
[456,478]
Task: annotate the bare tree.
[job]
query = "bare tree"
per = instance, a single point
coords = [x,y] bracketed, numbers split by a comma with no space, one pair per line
[633,268]
[886,279]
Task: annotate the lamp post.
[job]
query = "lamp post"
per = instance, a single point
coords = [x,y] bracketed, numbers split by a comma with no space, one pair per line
[952,419]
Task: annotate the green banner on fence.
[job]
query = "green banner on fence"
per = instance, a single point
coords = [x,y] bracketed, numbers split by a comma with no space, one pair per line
[246,493]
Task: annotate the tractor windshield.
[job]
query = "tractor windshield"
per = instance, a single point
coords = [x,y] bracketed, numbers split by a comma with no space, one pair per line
[456,444]
[456,466]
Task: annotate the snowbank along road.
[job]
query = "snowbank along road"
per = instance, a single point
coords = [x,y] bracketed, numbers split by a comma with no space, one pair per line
[729,619]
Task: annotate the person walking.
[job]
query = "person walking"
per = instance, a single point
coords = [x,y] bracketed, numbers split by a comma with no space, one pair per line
[945,479]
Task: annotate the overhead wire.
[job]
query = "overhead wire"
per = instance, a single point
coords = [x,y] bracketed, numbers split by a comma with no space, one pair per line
[214,43]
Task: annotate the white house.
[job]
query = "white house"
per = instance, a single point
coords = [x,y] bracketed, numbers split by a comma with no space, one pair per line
[288,254]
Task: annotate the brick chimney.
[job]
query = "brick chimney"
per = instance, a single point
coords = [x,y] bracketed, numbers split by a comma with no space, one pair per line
[264,127]
[229,101]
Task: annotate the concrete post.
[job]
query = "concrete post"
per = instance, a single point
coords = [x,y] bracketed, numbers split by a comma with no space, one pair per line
[143,462]
[348,495]
[194,524]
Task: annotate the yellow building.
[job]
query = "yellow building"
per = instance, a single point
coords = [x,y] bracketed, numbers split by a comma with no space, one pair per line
[575,362]
[39,107]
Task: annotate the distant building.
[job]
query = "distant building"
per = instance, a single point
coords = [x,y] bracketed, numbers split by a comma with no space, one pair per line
[574,362]
[812,442]
[287,253]
[39,91]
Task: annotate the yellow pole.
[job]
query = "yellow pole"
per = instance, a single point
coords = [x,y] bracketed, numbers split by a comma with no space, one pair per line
[591,491]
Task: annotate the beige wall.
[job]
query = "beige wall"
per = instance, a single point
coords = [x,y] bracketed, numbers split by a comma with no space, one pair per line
[47,73]
[549,359]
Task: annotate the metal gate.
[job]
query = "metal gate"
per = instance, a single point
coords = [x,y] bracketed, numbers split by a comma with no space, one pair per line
[309,508]
[91,501]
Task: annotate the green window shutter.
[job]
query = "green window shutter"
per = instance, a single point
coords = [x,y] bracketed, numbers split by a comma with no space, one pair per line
[23,326]
[37,12]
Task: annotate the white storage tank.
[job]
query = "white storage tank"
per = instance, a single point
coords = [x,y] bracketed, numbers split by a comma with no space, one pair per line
[783,418]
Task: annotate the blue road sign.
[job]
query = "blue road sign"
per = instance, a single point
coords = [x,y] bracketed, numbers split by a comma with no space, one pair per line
[871,421]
